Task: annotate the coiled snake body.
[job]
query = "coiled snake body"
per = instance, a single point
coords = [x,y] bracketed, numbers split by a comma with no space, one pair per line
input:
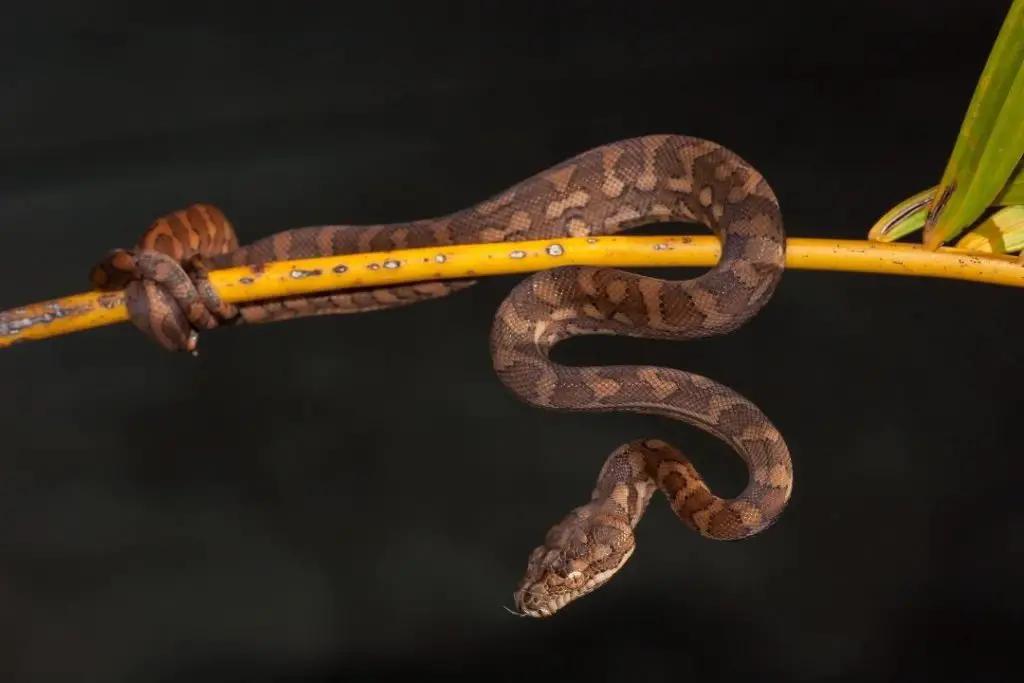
[605,190]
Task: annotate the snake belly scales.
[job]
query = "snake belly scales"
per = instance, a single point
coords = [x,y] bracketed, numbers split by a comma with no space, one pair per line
[608,189]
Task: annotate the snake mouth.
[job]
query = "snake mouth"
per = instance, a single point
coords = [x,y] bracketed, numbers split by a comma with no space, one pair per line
[531,602]
[542,612]
[539,604]
[532,611]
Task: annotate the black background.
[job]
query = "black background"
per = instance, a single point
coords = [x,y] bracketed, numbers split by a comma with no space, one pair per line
[355,497]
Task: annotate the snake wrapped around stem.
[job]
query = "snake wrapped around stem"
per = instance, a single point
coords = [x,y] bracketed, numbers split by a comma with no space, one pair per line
[608,189]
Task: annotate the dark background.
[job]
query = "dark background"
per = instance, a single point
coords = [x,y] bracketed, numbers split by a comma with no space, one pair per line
[357,496]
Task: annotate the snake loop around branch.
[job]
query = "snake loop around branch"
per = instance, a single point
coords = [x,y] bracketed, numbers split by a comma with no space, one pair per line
[609,189]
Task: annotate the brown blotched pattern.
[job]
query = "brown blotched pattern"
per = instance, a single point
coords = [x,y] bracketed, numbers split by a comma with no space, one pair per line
[606,190]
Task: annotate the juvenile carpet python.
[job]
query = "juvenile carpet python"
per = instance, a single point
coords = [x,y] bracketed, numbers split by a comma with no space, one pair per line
[608,189]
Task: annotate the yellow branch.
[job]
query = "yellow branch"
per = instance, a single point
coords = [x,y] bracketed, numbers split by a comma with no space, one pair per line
[290,278]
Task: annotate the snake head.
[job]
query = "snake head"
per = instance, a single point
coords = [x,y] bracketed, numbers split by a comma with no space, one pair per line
[578,556]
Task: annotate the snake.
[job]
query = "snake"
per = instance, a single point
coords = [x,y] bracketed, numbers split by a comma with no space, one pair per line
[606,190]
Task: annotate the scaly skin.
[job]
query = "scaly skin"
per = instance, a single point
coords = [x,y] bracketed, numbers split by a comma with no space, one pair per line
[606,190]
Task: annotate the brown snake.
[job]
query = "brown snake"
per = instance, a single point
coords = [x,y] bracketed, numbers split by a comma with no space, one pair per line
[606,190]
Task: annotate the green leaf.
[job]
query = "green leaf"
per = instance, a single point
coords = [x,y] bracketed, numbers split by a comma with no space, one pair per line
[909,215]
[1000,233]
[904,218]
[1013,193]
[991,141]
